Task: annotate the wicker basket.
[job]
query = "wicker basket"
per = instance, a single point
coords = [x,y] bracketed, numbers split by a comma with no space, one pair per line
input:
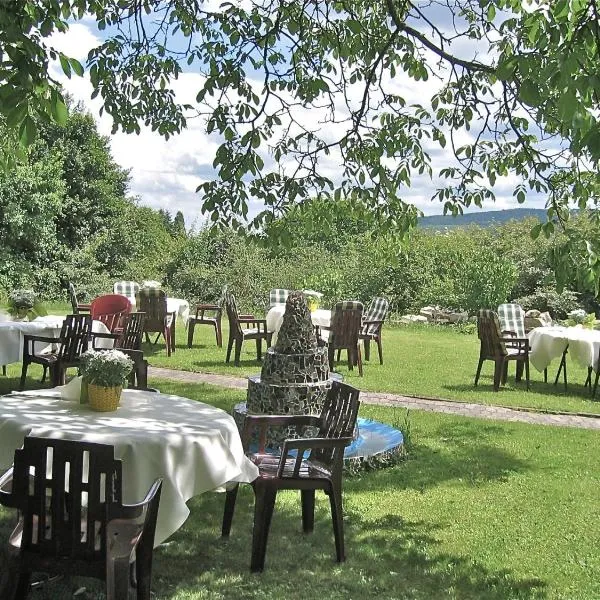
[104,399]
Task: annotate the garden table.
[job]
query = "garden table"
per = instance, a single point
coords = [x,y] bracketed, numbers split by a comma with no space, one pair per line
[193,446]
[12,334]
[548,343]
[319,317]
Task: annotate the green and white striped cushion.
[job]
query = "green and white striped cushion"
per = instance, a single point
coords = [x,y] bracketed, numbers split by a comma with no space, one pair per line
[377,311]
[512,318]
[278,296]
[126,288]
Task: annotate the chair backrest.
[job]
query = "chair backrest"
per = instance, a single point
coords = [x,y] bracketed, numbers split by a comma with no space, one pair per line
[338,418]
[132,331]
[73,298]
[278,296]
[377,311]
[153,302]
[346,322]
[512,318]
[110,310]
[74,337]
[66,491]
[126,288]
[233,314]
[489,333]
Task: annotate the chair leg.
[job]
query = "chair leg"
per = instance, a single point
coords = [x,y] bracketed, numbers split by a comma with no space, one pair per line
[596,383]
[263,511]
[238,351]
[23,586]
[44,374]
[23,376]
[331,354]
[308,510]
[504,372]
[359,360]
[546,375]
[527,373]
[335,499]
[117,579]
[351,361]
[219,334]
[191,327]
[167,336]
[519,370]
[4,370]
[498,372]
[367,344]
[339,353]
[478,370]
[258,348]
[229,347]
[380,350]
[230,498]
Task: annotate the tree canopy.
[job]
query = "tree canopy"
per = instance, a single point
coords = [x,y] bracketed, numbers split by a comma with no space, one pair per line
[317,99]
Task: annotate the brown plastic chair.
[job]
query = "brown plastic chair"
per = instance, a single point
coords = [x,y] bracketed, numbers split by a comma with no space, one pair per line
[346,323]
[111,310]
[67,349]
[72,520]
[322,470]
[494,346]
[202,319]
[153,302]
[372,324]
[77,307]
[237,334]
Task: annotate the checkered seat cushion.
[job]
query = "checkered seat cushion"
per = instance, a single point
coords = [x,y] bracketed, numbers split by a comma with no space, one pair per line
[377,311]
[512,319]
[278,296]
[127,288]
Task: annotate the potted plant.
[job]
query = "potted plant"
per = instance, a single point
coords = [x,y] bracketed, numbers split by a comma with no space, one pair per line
[313,299]
[104,373]
[24,304]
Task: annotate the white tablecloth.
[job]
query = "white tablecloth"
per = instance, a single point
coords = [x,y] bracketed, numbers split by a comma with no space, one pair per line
[195,447]
[275,317]
[13,332]
[548,343]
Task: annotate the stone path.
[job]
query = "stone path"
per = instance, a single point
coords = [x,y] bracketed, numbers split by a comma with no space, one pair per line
[466,409]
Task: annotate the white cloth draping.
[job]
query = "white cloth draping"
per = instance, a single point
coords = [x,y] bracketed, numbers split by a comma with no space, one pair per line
[193,446]
[548,343]
[12,334]
[319,317]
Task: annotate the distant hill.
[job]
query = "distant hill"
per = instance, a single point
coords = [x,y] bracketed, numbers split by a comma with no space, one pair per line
[482,218]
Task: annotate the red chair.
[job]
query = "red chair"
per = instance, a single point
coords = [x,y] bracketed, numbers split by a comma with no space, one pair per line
[111,309]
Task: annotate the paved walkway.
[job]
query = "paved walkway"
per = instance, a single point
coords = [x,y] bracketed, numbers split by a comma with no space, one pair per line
[466,409]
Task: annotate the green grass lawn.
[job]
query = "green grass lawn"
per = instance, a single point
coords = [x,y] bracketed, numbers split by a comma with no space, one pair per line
[480,509]
[429,361]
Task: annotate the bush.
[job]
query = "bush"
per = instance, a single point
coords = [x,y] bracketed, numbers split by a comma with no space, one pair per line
[548,299]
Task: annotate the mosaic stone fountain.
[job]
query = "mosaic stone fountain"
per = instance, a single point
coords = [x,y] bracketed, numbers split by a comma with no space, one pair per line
[295,379]
[295,375]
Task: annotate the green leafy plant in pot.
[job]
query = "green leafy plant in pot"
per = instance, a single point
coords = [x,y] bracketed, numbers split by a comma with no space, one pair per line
[104,374]
[24,304]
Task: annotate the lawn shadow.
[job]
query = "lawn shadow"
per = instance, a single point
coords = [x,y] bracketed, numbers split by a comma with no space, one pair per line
[390,558]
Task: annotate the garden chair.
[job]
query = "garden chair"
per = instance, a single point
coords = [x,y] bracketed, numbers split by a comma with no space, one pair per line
[500,349]
[66,349]
[321,470]
[237,334]
[343,334]
[77,307]
[72,520]
[130,337]
[371,326]
[110,309]
[277,296]
[202,318]
[153,302]
[128,289]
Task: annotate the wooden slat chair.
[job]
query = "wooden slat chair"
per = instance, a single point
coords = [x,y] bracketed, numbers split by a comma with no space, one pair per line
[500,349]
[321,470]
[372,324]
[257,330]
[343,334]
[203,317]
[66,350]
[153,302]
[76,306]
[278,296]
[72,520]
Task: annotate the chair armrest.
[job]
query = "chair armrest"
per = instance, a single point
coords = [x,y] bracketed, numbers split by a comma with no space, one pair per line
[301,445]
[6,496]
[373,322]
[509,332]
[137,510]
[240,317]
[107,336]
[40,338]
[263,422]
[515,341]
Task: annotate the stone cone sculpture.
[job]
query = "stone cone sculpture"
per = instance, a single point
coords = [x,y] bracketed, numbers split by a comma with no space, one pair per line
[295,374]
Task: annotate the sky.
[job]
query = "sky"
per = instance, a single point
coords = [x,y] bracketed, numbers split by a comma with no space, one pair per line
[165,173]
